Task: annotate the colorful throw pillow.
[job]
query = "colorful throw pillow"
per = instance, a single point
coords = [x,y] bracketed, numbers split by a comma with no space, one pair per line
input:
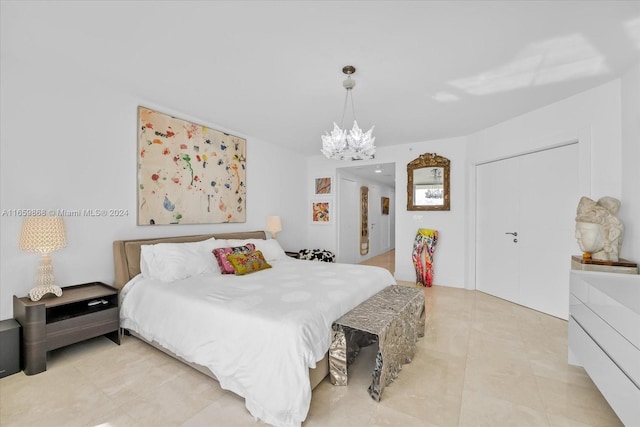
[221,256]
[248,263]
[270,248]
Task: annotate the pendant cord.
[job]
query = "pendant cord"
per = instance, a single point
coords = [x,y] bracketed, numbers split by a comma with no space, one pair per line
[353,108]
[344,108]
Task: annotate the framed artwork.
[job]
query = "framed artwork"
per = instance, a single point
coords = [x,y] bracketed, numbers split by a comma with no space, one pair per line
[321,212]
[188,173]
[385,206]
[323,186]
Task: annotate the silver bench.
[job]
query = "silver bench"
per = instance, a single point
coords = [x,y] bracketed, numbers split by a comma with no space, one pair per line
[395,318]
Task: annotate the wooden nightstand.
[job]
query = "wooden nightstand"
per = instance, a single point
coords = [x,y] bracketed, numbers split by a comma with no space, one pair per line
[82,312]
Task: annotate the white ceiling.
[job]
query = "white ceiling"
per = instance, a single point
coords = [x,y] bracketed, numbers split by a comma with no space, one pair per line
[381,173]
[272,70]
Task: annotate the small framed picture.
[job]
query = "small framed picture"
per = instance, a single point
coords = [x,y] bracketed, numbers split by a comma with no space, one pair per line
[321,212]
[385,206]
[323,186]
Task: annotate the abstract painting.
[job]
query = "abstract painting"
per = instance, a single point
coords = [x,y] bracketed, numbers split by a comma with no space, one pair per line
[188,173]
[323,185]
[320,212]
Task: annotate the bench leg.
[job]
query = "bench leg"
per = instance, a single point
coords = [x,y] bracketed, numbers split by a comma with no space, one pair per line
[375,391]
[338,357]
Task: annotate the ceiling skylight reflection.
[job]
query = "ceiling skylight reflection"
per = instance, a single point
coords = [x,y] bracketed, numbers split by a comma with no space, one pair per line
[632,28]
[549,61]
[445,97]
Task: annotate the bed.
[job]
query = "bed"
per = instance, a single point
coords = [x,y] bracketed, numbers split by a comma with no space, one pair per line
[263,336]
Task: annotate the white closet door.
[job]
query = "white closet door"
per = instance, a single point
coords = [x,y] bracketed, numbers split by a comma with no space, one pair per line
[535,196]
[497,256]
[548,201]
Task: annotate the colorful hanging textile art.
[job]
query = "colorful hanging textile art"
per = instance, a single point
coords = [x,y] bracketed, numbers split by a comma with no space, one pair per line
[423,248]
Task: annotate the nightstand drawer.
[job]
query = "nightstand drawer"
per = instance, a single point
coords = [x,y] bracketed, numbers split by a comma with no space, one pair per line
[69,331]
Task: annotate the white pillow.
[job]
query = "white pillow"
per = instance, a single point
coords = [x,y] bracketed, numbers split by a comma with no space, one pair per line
[146,253]
[175,261]
[271,249]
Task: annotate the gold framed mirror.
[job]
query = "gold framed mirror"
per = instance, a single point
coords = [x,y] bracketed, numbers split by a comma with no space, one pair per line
[428,183]
[364,220]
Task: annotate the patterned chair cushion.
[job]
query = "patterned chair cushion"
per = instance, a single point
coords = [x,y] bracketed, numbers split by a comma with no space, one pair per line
[317,255]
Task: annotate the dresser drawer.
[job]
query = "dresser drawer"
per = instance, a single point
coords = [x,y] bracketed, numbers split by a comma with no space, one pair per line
[621,393]
[74,329]
[618,348]
[615,298]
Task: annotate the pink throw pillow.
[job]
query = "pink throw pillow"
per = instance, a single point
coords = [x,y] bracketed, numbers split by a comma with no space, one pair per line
[221,256]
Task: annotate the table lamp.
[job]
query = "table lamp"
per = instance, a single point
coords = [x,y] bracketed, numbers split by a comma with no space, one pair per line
[43,235]
[274,225]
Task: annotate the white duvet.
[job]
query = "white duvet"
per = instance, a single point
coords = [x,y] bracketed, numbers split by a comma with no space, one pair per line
[259,333]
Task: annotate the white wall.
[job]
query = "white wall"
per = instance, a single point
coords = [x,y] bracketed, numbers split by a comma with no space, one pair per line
[593,118]
[630,195]
[69,142]
[450,250]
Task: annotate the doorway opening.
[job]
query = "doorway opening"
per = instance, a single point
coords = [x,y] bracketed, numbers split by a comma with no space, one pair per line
[380,180]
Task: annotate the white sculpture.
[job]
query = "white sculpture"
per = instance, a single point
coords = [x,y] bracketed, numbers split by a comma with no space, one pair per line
[598,231]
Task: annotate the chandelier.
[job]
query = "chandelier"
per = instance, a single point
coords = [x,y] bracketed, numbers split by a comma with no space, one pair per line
[354,144]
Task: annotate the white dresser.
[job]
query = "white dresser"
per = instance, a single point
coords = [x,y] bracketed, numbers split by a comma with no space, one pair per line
[604,337]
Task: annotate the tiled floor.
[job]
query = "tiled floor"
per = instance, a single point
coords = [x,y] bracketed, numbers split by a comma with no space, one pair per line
[386,260]
[482,362]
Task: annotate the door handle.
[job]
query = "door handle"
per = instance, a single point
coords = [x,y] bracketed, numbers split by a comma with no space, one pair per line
[515,233]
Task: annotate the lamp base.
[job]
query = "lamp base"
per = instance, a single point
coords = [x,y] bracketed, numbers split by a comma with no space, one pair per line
[39,291]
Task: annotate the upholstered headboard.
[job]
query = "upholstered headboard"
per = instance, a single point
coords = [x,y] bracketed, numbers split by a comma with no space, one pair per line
[126,253]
